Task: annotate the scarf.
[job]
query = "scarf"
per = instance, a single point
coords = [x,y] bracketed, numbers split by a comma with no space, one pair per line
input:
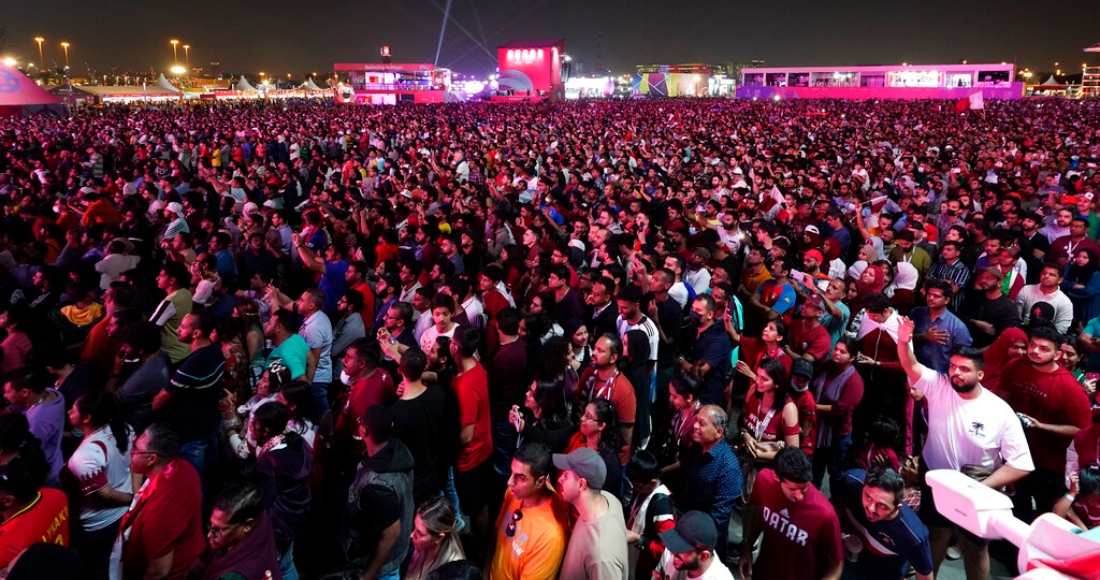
[828,395]
[252,557]
[867,326]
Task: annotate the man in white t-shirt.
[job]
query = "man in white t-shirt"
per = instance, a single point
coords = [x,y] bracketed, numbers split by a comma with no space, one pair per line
[967,426]
[690,549]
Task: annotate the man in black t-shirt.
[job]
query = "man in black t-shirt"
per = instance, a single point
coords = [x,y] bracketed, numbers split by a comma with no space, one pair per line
[189,404]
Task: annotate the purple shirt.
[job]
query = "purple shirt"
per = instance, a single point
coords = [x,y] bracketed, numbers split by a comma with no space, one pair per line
[47,421]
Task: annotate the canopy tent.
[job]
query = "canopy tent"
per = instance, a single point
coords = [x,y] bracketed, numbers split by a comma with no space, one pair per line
[242,85]
[163,83]
[309,85]
[19,95]
[1051,81]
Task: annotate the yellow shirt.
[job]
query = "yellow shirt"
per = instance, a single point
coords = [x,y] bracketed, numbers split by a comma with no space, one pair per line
[537,546]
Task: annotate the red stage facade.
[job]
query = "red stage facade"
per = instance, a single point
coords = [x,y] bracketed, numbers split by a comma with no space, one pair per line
[531,70]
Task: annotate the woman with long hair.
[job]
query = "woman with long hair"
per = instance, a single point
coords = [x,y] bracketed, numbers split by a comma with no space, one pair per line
[247,313]
[434,537]
[235,375]
[683,395]
[837,388]
[769,418]
[101,465]
[580,352]
[242,441]
[547,417]
[634,364]
[298,398]
[601,431]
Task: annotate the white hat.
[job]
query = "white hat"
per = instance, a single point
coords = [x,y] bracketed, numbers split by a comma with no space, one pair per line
[175,208]
[250,208]
[738,171]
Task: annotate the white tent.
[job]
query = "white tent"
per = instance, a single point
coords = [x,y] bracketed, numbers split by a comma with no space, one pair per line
[242,85]
[1051,81]
[309,85]
[163,83]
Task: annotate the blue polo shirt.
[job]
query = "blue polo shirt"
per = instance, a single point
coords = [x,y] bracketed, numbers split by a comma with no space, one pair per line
[933,354]
[889,546]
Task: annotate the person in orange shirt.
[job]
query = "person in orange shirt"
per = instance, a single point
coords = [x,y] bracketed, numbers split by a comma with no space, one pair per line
[101,210]
[30,512]
[531,528]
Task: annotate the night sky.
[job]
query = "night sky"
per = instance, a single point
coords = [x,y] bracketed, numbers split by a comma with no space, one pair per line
[281,36]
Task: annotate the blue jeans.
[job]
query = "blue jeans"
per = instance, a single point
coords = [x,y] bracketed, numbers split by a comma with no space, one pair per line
[450,492]
[831,459]
[201,454]
[286,564]
[320,393]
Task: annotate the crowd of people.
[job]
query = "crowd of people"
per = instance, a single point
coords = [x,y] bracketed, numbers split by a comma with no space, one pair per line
[651,339]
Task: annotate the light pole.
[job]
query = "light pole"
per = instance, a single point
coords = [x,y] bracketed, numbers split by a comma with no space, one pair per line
[187,55]
[40,40]
[66,45]
[174,43]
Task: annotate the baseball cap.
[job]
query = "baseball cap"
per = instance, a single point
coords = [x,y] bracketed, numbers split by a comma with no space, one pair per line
[176,208]
[586,463]
[994,272]
[815,301]
[815,254]
[802,368]
[694,530]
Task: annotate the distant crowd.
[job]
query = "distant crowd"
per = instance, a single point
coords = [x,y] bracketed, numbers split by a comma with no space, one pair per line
[697,338]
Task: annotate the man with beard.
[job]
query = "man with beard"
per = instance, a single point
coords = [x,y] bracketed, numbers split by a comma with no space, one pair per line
[1053,407]
[967,425]
[691,549]
[988,314]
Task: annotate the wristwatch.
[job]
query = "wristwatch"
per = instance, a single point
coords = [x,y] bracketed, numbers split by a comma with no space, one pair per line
[642,543]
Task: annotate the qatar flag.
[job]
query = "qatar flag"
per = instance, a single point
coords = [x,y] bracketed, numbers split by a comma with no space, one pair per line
[974,102]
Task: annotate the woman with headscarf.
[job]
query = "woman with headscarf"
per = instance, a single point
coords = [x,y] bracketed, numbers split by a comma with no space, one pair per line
[833,265]
[1009,346]
[1081,282]
[871,280]
[902,289]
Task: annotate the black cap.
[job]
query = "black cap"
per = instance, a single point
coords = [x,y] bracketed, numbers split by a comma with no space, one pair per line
[694,530]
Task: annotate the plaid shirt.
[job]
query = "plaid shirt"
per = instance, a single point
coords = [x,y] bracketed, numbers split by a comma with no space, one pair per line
[712,483]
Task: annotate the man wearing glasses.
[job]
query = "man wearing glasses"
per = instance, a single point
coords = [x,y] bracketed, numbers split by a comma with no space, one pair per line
[531,528]
[161,535]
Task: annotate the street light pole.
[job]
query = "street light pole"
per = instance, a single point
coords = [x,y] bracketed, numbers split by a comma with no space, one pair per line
[66,45]
[174,43]
[40,40]
[187,55]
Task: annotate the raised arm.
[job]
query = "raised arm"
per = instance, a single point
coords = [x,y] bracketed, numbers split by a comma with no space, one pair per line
[908,360]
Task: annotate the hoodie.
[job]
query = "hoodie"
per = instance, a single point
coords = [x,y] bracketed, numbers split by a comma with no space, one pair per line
[282,470]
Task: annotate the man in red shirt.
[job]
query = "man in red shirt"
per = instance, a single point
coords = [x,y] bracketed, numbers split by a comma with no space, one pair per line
[370,385]
[471,386]
[162,535]
[1053,407]
[355,276]
[809,338]
[800,527]
[602,380]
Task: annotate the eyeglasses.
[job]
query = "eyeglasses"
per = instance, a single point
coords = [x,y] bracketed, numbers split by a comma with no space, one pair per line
[219,533]
[512,527]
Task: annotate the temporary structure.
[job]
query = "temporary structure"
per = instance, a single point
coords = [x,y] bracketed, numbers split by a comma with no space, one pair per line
[19,95]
